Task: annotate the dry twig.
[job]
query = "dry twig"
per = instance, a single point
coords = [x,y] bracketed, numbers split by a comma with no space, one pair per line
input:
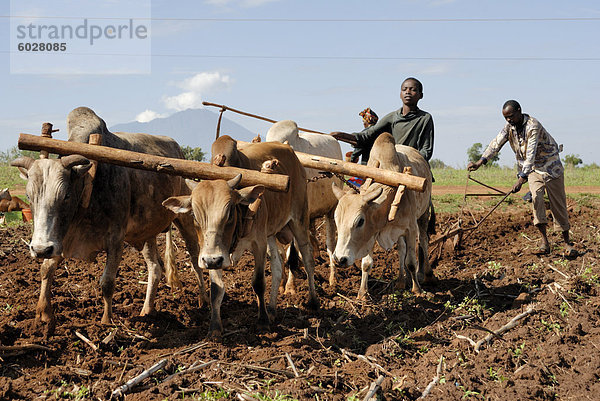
[436,379]
[125,388]
[289,358]
[375,386]
[512,323]
[87,341]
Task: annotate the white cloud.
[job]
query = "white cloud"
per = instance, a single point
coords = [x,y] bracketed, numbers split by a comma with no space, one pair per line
[183,101]
[195,88]
[147,115]
[206,82]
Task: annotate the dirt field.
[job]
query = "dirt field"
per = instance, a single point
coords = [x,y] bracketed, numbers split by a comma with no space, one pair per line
[337,352]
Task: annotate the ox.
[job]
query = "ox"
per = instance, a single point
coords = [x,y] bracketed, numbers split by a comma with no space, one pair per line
[10,203]
[370,216]
[125,206]
[230,221]
[321,199]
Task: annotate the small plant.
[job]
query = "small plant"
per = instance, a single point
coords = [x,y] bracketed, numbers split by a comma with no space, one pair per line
[468,393]
[495,375]
[473,306]
[561,263]
[564,309]
[494,266]
[532,267]
[518,351]
[553,327]
[589,277]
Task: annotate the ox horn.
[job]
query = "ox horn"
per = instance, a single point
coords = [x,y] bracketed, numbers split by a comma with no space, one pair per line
[234,181]
[22,162]
[372,195]
[74,160]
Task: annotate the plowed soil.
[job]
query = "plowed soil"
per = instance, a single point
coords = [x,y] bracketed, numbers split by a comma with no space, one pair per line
[337,352]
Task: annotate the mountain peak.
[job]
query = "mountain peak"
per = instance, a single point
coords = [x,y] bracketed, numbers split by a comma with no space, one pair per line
[191,127]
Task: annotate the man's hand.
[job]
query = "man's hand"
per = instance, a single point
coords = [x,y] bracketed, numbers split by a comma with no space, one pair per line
[344,137]
[517,187]
[474,166]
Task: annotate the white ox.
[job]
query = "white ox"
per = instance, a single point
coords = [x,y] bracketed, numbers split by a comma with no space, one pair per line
[125,206]
[230,221]
[365,217]
[321,199]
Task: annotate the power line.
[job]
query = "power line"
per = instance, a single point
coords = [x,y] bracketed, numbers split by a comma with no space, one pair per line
[349,58]
[565,19]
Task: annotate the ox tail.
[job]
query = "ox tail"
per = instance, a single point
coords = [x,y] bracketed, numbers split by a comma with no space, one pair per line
[431,224]
[171,273]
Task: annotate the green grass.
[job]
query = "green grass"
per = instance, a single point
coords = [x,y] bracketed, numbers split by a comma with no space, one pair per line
[506,177]
[9,177]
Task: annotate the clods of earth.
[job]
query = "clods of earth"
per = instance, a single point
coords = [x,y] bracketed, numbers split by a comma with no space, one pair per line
[501,323]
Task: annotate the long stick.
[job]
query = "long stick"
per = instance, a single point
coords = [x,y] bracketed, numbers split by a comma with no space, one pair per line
[125,388]
[512,323]
[161,164]
[435,380]
[374,388]
[387,177]
[223,107]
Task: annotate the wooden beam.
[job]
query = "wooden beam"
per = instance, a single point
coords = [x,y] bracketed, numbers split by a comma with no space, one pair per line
[387,177]
[161,164]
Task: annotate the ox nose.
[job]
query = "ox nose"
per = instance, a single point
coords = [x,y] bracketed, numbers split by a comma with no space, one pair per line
[41,251]
[213,262]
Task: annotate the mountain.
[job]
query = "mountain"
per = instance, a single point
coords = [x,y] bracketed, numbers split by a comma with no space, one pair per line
[192,127]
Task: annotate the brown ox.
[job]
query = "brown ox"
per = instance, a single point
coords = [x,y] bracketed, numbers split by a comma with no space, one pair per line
[321,199]
[10,203]
[125,206]
[364,218]
[230,221]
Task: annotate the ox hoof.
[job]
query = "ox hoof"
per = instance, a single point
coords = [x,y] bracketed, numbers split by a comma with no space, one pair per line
[361,297]
[313,304]
[148,312]
[263,327]
[400,285]
[430,279]
[46,326]
[215,336]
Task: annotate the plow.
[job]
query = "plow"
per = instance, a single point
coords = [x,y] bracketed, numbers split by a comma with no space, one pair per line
[459,231]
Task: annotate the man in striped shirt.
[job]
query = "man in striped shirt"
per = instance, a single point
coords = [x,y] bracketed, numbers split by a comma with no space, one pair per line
[539,164]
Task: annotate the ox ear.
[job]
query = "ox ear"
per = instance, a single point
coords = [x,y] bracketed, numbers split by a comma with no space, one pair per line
[371,196]
[337,191]
[79,164]
[249,195]
[23,163]
[179,204]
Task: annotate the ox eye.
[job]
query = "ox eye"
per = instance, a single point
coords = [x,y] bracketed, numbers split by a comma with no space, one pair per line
[360,222]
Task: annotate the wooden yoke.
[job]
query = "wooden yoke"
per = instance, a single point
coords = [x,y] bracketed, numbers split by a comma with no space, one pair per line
[161,164]
[95,139]
[46,133]
[398,197]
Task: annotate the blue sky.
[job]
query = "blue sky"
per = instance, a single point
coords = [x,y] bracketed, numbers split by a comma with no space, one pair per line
[321,62]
